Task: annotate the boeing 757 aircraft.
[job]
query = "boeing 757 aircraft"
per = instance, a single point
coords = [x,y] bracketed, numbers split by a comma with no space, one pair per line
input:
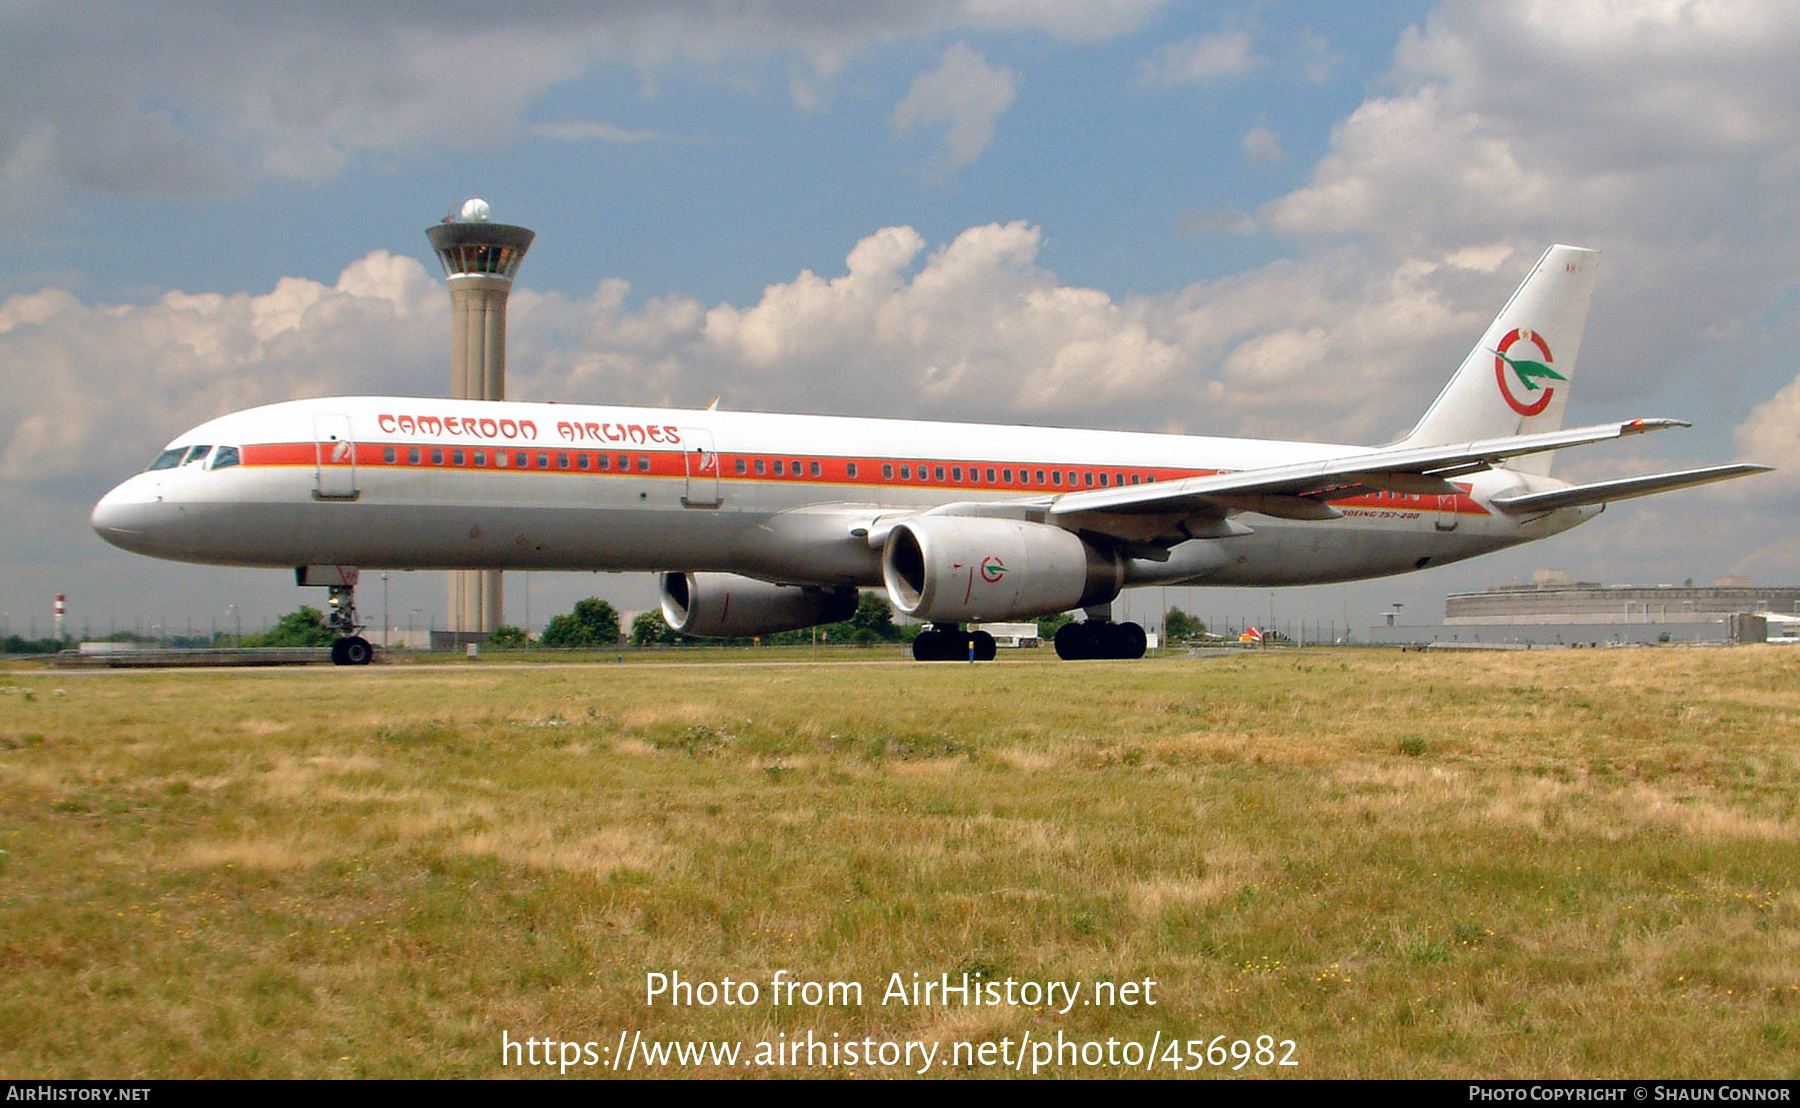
[760,523]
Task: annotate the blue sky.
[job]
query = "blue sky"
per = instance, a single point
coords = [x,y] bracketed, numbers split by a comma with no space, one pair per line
[1271,219]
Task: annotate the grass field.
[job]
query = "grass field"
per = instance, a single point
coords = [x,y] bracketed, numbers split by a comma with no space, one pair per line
[1571,863]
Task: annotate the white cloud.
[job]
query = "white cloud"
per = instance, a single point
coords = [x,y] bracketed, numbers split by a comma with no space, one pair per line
[1260,144]
[1202,60]
[1317,59]
[198,97]
[594,130]
[68,367]
[1666,133]
[966,96]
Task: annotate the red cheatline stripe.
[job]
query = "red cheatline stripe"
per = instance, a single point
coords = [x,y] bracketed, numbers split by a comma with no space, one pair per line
[832,470]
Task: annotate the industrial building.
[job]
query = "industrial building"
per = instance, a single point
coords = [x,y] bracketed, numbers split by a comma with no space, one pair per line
[1554,610]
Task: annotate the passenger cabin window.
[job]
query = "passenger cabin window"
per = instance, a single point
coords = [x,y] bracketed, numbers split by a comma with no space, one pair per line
[225,456]
[169,459]
[852,469]
[813,468]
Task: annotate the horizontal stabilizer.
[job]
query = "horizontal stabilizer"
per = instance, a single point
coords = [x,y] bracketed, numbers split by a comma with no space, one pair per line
[1605,492]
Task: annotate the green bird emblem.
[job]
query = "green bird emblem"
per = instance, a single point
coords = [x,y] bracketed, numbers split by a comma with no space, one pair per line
[1529,371]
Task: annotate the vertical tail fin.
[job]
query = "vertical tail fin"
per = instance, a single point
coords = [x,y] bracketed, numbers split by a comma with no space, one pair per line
[1516,381]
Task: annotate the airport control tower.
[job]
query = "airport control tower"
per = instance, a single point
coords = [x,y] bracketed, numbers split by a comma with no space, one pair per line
[480,258]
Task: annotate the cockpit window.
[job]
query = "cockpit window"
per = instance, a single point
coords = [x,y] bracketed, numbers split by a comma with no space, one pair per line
[196,454]
[224,456]
[170,458]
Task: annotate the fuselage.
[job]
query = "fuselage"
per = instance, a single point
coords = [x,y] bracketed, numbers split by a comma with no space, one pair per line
[413,483]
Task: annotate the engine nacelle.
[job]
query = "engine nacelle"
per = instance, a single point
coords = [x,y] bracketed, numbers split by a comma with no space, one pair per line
[724,605]
[947,569]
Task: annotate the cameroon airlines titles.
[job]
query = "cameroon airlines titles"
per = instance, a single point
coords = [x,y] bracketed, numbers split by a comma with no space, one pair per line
[758,523]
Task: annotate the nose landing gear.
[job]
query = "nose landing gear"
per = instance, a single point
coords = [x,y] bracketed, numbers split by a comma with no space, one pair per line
[350,649]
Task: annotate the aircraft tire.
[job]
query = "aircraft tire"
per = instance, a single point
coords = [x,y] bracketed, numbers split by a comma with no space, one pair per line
[353,650]
[984,646]
[1074,642]
[928,647]
[1130,640]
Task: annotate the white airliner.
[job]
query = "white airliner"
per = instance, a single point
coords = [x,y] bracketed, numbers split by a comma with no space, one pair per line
[761,523]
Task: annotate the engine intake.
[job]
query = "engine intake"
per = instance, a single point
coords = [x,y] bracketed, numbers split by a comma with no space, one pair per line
[724,605]
[947,569]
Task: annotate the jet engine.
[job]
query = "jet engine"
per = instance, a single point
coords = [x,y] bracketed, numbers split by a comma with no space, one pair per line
[947,569]
[724,605]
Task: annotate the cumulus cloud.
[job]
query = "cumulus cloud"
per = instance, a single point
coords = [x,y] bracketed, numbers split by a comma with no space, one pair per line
[966,96]
[1201,60]
[1666,134]
[67,366]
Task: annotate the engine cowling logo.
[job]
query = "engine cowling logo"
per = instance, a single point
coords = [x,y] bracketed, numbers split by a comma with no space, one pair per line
[992,569]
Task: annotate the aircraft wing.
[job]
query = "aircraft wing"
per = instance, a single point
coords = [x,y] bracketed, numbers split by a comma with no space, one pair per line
[1604,492]
[1305,491]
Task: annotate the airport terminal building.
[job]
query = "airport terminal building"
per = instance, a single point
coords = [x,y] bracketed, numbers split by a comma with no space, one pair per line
[1554,610]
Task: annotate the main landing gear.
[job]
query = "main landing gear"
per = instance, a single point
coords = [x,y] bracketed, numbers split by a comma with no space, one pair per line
[350,649]
[948,643]
[1099,638]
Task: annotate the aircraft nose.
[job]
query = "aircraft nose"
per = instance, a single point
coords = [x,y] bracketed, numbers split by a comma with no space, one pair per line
[120,517]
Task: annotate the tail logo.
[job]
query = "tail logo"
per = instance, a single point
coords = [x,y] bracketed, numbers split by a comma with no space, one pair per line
[1528,370]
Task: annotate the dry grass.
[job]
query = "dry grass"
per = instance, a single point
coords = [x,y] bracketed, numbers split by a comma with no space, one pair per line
[1581,863]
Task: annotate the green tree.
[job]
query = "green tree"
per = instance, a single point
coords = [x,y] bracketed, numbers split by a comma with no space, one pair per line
[508,637]
[875,616]
[304,626]
[594,623]
[1050,625]
[650,629]
[1178,625]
